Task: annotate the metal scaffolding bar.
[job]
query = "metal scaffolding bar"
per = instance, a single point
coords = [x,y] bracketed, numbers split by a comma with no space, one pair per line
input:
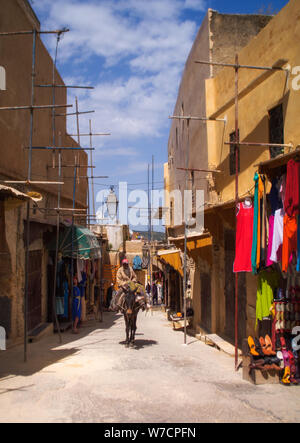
[57,148]
[74,113]
[199,170]
[32,107]
[290,145]
[64,86]
[88,135]
[69,209]
[34,31]
[32,182]
[237,139]
[85,176]
[181,117]
[238,66]
[72,166]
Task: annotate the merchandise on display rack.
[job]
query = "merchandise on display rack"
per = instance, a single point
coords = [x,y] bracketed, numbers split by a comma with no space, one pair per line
[268,245]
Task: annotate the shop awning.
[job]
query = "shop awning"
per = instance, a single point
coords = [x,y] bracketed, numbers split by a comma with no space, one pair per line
[14,198]
[85,243]
[277,162]
[172,258]
[195,241]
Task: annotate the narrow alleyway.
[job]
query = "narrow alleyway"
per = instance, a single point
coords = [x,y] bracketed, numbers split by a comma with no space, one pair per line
[94,378]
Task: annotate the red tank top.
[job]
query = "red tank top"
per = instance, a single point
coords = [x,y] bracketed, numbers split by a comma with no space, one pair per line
[244,236]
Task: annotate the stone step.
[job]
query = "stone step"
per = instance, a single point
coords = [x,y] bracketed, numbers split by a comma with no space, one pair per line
[220,343]
[40,331]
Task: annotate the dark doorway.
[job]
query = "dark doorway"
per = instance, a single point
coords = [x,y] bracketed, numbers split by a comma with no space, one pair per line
[206,301]
[34,289]
[230,293]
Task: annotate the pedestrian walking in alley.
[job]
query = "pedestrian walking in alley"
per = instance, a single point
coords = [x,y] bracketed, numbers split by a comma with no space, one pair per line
[159,292]
[109,295]
[154,293]
[76,306]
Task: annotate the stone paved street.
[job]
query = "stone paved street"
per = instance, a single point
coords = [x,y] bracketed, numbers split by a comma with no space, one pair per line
[94,378]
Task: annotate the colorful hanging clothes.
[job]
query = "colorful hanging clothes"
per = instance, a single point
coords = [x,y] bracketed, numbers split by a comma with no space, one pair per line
[268,281]
[259,221]
[277,240]
[269,262]
[244,235]
[264,225]
[298,246]
[255,225]
[289,245]
[292,191]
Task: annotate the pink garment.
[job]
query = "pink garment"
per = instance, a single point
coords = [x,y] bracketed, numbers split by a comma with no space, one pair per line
[270,243]
[244,235]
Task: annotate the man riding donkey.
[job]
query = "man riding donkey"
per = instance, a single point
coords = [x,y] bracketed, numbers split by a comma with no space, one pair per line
[127,279]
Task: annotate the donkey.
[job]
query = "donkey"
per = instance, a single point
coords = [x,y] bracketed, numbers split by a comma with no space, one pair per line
[131,307]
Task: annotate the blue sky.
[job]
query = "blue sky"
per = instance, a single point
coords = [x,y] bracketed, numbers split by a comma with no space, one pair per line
[133,52]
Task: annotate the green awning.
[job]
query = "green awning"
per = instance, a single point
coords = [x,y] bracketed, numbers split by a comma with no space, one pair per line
[85,243]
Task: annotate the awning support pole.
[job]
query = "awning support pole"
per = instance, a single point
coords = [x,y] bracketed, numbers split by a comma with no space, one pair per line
[237,139]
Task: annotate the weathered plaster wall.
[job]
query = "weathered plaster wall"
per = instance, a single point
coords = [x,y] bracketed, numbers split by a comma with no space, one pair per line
[15,125]
[276,41]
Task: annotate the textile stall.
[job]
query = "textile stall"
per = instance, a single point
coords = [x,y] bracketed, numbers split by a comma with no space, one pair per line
[268,246]
[78,254]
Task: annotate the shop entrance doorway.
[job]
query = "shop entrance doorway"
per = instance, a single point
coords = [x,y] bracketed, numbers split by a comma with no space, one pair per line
[230,293]
[34,289]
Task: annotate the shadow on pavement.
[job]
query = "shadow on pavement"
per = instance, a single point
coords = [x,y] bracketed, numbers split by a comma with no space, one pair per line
[140,344]
[49,350]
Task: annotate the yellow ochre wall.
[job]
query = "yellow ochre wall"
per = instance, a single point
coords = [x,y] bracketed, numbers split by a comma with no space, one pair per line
[277,41]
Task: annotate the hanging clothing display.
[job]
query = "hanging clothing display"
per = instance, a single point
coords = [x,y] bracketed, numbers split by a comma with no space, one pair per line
[244,234]
[255,226]
[259,221]
[269,262]
[268,281]
[289,239]
[292,197]
[275,258]
[277,240]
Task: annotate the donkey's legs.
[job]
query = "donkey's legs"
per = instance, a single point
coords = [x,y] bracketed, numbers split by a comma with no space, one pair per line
[127,330]
[133,329]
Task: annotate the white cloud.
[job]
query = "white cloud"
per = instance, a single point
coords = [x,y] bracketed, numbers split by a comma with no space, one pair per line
[143,44]
[198,5]
[116,152]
